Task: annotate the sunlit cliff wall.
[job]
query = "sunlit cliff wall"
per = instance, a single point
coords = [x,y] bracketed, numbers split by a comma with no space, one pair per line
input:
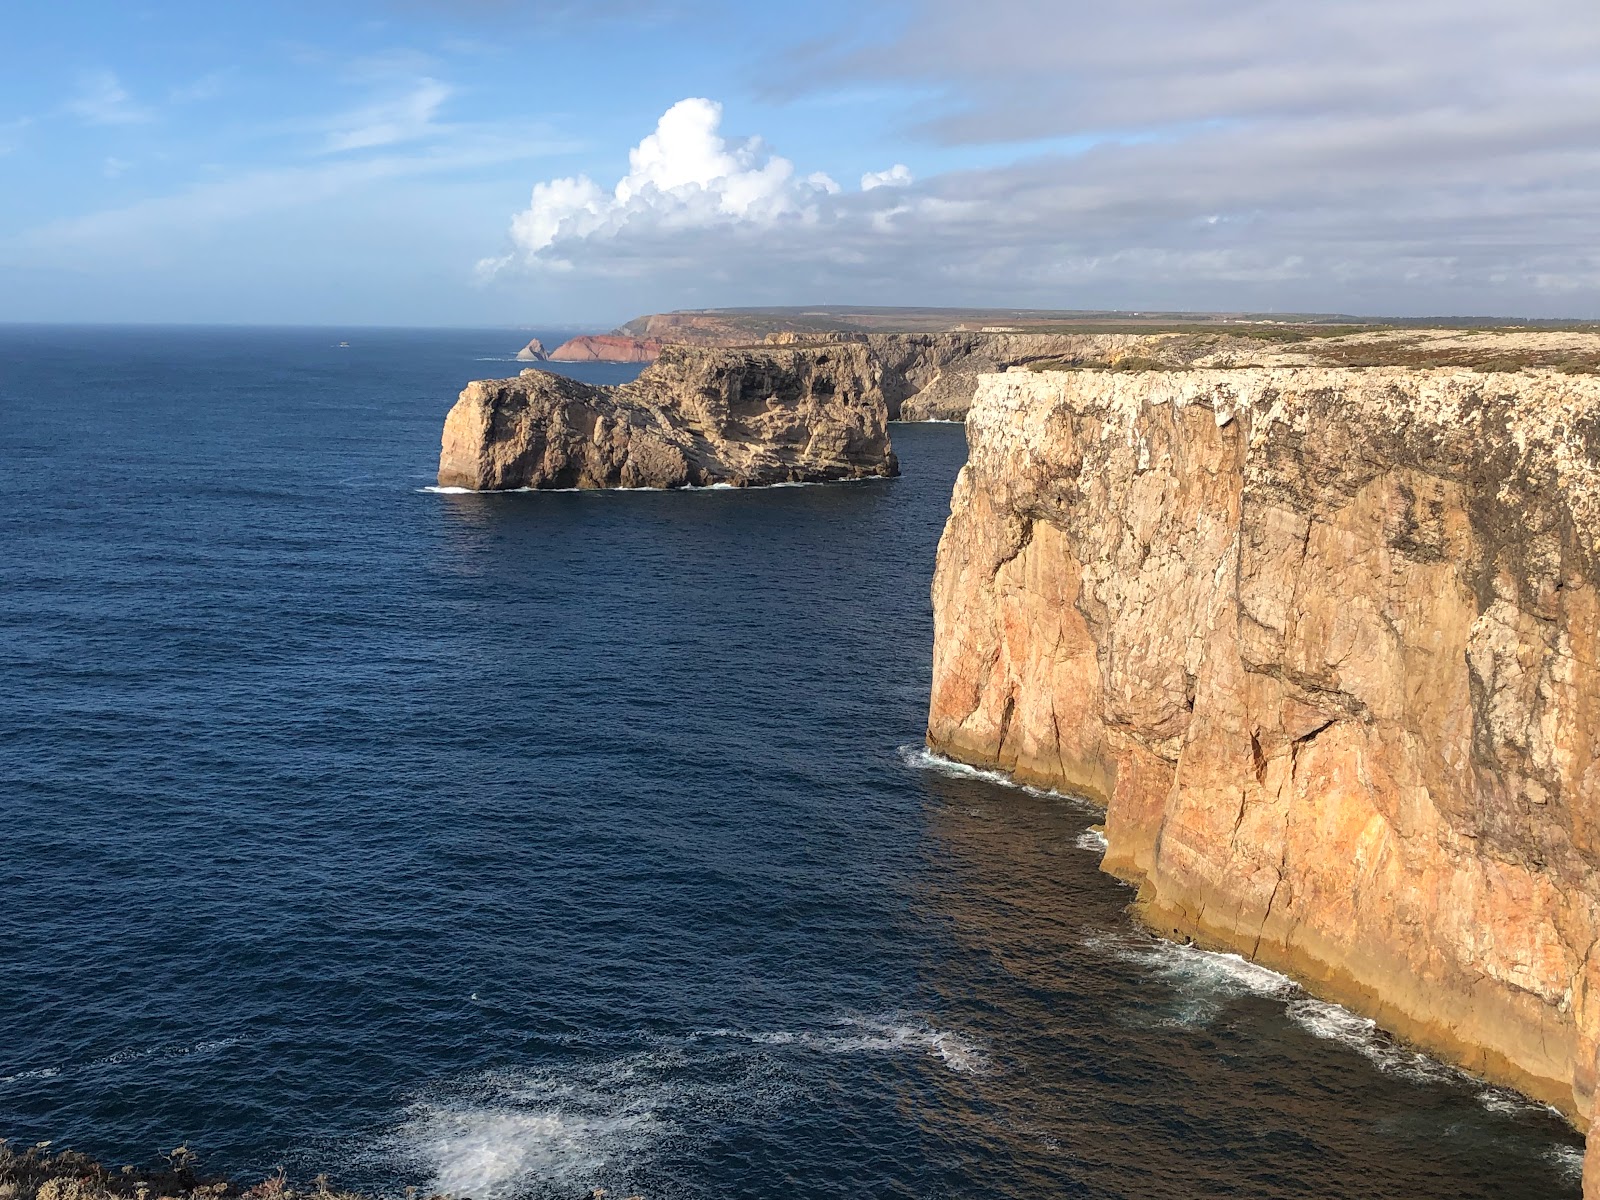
[1324,641]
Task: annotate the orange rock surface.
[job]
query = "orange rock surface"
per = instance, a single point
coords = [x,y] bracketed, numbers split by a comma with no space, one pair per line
[607,347]
[1324,641]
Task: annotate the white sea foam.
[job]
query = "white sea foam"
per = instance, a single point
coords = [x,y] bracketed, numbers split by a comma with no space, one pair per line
[1203,981]
[853,1036]
[1093,840]
[453,490]
[1510,1104]
[1568,1160]
[1361,1034]
[120,1058]
[919,758]
[597,1122]
[490,1152]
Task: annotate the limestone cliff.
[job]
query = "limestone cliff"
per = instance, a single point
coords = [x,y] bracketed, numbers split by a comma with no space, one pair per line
[933,376]
[1326,642]
[696,417]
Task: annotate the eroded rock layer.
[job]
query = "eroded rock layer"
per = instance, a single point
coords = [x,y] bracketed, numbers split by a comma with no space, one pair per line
[607,347]
[696,417]
[1324,641]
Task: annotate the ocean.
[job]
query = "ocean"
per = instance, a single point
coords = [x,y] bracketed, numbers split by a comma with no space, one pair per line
[521,845]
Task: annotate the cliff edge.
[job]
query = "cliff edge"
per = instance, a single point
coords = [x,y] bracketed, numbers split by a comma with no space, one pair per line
[695,418]
[1326,642]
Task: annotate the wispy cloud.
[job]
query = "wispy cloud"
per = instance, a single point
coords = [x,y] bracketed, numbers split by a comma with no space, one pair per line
[406,118]
[102,100]
[207,87]
[150,229]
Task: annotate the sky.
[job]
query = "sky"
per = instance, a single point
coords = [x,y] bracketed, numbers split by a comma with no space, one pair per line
[574,163]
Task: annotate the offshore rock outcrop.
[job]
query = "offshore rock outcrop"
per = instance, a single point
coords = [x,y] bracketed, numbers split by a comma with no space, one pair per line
[1326,642]
[534,351]
[695,418]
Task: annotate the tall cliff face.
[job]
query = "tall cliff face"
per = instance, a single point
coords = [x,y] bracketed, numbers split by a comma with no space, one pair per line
[933,376]
[1327,644]
[696,417]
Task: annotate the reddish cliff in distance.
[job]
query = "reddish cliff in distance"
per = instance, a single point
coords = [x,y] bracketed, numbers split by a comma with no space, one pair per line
[607,347]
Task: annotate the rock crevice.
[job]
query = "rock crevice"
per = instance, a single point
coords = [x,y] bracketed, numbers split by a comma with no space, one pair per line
[1324,642]
[696,418]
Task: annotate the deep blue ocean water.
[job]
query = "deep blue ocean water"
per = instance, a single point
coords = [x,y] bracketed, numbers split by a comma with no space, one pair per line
[520,845]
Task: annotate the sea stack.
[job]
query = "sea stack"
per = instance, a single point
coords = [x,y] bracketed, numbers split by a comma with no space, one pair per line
[532,352]
[695,418]
[1326,643]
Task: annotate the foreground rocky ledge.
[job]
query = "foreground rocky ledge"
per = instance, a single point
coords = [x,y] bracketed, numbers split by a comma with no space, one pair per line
[1324,641]
[695,418]
[38,1174]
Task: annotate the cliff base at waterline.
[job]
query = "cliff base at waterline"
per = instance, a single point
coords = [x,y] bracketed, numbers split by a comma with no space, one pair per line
[1326,642]
[695,418]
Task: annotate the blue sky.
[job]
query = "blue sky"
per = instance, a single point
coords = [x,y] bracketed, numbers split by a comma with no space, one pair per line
[376,161]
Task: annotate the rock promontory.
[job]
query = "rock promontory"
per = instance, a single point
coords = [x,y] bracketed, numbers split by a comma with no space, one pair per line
[607,347]
[744,418]
[1326,643]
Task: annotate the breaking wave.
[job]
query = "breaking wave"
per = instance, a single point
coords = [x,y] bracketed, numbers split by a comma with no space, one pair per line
[919,758]
[1093,840]
[1361,1034]
[1203,981]
[453,490]
[1568,1160]
[569,1129]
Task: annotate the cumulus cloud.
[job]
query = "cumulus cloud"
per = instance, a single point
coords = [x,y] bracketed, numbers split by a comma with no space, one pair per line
[898,175]
[684,178]
[1363,156]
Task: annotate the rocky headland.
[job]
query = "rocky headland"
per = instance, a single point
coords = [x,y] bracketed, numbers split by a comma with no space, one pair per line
[933,376]
[607,347]
[1325,641]
[695,418]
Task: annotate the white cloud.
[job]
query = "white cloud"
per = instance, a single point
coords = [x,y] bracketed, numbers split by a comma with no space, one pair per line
[898,175]
[684,176]
[404,118]
[102,100]
[114,166]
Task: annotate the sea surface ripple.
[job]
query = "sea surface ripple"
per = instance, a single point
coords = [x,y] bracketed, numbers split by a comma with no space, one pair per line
[520,845]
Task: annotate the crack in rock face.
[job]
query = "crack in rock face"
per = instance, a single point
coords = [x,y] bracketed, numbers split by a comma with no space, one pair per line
[1324,641]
